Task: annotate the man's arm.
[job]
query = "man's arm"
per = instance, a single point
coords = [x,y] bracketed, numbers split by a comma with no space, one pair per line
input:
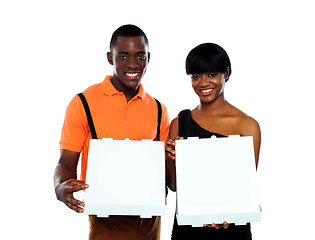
[65,179]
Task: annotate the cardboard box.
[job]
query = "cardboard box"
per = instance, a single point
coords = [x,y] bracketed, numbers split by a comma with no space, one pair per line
[216,181]
[125,178]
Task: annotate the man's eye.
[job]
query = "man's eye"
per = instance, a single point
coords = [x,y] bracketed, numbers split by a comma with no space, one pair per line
[122,57]
[142,57]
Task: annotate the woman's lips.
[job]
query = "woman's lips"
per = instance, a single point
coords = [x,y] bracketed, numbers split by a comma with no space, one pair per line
[206,92]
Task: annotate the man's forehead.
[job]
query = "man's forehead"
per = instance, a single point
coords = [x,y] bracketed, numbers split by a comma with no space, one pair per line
[127,43]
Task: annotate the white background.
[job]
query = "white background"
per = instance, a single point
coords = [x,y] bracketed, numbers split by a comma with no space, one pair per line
[52,50]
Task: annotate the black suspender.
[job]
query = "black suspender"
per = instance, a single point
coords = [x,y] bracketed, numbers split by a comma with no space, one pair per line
[159,119]
[88,115]
[91,124]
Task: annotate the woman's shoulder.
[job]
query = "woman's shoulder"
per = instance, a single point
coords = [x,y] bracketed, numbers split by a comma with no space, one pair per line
[184,112]
[183,116]
[173,131]
[246,123]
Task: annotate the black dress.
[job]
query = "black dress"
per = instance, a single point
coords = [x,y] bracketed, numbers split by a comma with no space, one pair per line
[187,127]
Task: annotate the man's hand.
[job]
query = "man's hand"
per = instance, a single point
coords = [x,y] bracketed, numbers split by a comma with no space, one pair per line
[64,193]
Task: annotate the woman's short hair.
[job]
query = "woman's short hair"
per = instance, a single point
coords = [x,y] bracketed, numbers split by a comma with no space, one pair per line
[207,58]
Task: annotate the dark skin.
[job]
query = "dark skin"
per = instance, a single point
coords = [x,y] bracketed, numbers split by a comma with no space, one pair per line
[66,182]
[214,114]
[129,58]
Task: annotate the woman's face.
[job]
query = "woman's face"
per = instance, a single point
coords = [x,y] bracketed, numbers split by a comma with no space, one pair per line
[208,86]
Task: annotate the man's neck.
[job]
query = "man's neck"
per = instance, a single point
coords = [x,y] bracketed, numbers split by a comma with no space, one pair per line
[128,92]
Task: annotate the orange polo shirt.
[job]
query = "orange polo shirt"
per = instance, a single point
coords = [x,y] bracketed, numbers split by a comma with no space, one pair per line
[113,118]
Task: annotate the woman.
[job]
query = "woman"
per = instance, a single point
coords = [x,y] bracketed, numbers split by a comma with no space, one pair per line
[209,67]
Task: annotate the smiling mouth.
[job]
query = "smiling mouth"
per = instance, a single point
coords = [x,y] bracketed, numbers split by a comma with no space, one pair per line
[206,91]
[132,76]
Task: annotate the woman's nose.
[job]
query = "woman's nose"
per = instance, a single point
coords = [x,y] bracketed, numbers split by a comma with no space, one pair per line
[204,81]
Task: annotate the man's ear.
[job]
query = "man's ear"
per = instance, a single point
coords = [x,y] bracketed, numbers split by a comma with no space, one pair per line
[110,58]
[149,56]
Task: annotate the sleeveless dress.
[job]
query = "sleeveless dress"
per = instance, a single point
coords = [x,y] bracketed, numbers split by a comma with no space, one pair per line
[188,127]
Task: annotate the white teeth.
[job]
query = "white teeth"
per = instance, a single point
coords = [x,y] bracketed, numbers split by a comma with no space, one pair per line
[131,74]
[207,90]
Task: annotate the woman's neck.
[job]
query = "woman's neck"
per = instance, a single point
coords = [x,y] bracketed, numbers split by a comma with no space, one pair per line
[216,107]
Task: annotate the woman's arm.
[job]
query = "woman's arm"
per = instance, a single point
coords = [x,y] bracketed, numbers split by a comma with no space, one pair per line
[170,152]
[250,127]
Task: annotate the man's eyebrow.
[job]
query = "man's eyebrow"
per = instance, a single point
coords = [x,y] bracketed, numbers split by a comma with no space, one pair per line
[141,52]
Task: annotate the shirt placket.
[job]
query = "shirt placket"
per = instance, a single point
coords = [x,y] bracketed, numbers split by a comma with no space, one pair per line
[128,117]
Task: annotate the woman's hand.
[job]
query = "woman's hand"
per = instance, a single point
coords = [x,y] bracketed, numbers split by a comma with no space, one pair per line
[225,225]
[170,147]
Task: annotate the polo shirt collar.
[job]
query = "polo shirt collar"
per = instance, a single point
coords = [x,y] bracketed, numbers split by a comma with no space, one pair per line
[110,90]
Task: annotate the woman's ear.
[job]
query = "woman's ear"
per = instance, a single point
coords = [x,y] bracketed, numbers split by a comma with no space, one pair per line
[110,58]
[227,74]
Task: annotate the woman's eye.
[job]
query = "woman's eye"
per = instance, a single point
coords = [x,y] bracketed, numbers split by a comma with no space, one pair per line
[194,77]
[212,75]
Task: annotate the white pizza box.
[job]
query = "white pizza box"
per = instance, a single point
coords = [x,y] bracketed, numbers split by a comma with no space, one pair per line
[125,178]
[216,181]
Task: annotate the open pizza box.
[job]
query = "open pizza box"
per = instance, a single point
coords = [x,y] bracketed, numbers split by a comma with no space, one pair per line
[216,181]
[125,178]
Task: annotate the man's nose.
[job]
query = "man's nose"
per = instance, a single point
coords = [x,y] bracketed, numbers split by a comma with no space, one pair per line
[132,63]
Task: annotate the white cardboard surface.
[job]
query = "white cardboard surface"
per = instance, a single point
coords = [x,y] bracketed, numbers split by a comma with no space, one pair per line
[216,181]
[125,178]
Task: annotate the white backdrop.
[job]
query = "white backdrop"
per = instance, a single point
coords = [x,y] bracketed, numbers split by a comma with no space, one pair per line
[51,50]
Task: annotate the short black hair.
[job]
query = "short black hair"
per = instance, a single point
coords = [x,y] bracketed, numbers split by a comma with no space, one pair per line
[128,30]
[207,58]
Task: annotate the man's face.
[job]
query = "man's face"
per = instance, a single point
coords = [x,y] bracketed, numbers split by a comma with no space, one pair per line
[129,57]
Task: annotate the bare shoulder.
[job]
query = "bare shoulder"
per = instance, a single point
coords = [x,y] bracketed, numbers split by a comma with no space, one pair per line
[174,122]
[247,125]
[244,125]
[174,128]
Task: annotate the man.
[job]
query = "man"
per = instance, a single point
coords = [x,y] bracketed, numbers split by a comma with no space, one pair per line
[120,109]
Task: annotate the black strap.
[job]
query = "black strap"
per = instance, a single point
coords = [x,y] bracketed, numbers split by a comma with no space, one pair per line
[88,115]
[159,119]
[91,124]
